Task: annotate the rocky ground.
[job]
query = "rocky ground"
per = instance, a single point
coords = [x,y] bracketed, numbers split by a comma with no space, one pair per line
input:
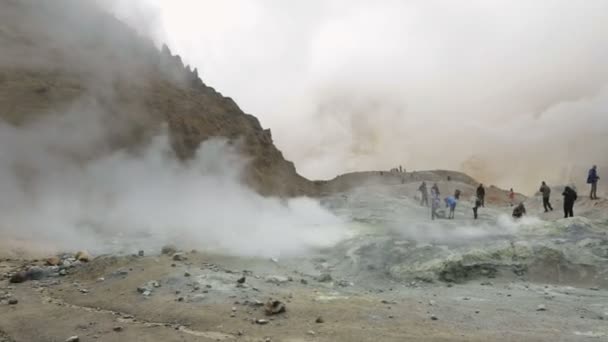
[214,298]
[542,279]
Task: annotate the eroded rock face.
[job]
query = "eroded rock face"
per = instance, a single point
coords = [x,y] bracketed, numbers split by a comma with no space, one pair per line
[142,90]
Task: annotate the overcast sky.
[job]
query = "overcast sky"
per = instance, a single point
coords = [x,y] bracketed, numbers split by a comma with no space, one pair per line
[511,91]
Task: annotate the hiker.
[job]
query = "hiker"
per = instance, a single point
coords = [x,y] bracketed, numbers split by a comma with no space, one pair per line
[511,196]
[546,192]
[569,197]
[435,202]
[592,179]
[425,194]
[436,188]
[477,205]
[450,202]
[481,194]
[457,194]
[519,211]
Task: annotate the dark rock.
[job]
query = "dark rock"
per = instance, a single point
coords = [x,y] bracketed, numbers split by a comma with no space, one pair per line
[319,320]
[12,301]
[274,307]
[168,250]
[241,280]
[118,329]
[324,278]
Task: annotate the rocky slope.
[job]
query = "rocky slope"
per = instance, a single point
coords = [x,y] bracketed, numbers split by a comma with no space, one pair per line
[70,56]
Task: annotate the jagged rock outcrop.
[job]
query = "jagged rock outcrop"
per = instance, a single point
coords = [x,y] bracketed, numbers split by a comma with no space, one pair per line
[70,55]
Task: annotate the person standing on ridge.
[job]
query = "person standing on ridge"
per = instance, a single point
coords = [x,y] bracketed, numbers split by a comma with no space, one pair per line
[569,197]
[451,202]
[435,202]
[425,194]
[477,205]
[546,192]
[481,194]
[592,179]
[511,196]
[436,189]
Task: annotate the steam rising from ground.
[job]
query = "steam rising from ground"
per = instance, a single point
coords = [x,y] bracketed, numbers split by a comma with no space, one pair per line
[53,191]
[511,92]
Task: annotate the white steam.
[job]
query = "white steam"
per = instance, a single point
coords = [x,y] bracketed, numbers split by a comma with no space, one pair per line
[56,191]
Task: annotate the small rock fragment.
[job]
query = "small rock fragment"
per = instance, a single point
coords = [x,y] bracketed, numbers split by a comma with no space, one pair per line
[261,321]
[311,333]
[276,279]
[83,256]
[179,257]
[319,320]
[53,261]
[168,250]
[186,274]
[241,280]
[73,339]
[434,318]
[324,278]
[118,329]
[541,307]
[274,307]
[13,301]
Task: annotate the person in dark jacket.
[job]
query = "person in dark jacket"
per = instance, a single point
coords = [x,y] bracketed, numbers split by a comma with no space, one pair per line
[592,179]
[481,194]
[435,203]
[569,198]
[436,189]
[476,207]
[519,211]
[545,190]
[425,194]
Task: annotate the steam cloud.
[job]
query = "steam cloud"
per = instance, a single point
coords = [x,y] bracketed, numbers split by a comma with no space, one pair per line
[125,200]
[511,92]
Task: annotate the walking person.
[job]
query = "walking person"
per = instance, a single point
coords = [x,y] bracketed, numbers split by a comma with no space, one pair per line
[481,194]
[436,189]
[545,190]
[476,207]
[569,197]
[425,194]
[435,202]
[451,202]
[592,179]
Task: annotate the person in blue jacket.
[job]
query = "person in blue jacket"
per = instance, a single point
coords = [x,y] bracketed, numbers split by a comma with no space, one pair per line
[450,202]
[592,179]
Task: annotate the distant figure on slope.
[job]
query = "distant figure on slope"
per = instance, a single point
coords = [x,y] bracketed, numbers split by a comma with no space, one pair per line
[519,211]
[436,188]
[477,205]
[435,203]
[545,190]
[425,194]
[457,194]
[451,202]
[592,179]
[569,197]
[511,196]
[481,194]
